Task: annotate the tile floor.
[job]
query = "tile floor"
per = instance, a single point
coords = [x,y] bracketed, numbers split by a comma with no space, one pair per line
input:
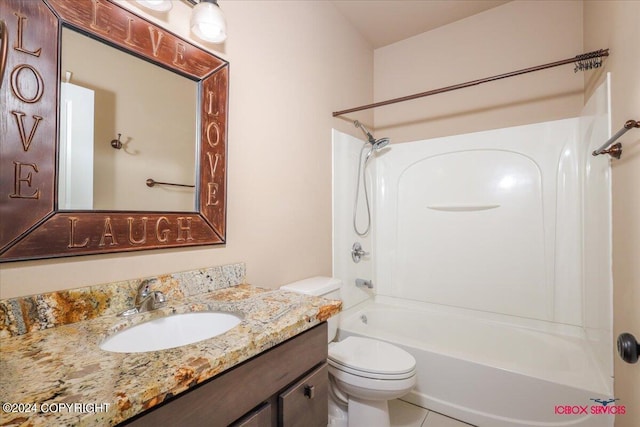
[405,414]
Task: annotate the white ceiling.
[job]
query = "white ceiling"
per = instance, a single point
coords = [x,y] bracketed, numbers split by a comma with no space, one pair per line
[383,22]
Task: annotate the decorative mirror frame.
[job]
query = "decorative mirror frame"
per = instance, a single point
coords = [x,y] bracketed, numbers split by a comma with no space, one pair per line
[31,226]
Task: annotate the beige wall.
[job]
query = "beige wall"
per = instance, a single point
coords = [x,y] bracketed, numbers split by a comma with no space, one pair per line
[291,65]
[614,24]
[514,36]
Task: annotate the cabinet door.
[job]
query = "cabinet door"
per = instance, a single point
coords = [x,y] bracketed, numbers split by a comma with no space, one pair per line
[261,417]
[305,403]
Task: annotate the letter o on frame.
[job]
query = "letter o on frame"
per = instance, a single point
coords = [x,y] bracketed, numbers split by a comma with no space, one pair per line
[17,88]
[213,142]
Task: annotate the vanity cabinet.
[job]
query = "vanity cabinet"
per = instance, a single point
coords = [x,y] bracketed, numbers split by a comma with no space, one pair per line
[285,386]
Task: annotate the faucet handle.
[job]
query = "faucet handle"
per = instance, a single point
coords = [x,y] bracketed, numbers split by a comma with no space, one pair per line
[153,301]
[159,298]
[146,299]
[357,252]
[144,289]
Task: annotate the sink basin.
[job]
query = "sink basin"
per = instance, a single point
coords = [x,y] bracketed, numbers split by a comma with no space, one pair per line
[171,331]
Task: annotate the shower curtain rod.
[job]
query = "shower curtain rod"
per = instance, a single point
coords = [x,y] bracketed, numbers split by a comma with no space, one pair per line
[576,59]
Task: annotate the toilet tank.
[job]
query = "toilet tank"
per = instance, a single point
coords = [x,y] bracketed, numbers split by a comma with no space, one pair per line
[320,286]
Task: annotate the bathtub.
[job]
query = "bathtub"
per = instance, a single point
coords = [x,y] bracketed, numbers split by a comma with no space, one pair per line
[490,372]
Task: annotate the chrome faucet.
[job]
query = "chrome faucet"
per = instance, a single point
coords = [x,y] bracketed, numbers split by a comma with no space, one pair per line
[147,300]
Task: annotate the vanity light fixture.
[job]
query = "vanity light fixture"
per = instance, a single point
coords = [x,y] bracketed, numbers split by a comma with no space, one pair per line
[158,5]
[207,21]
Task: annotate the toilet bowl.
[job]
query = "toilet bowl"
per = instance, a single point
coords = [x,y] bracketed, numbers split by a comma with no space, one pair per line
[369,373]
[364,373]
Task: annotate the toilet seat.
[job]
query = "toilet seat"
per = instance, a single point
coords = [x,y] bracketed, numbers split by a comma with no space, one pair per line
[369,358]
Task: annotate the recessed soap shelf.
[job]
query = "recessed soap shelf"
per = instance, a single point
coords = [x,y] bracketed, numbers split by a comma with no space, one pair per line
[462,208]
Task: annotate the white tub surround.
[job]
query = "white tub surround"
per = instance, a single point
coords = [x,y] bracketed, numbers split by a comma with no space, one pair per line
[504,238]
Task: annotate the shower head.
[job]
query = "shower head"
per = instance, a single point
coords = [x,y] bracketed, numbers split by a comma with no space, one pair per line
[376,144]
[382,142]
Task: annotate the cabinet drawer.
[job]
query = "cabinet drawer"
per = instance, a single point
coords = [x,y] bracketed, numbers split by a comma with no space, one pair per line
[305,403]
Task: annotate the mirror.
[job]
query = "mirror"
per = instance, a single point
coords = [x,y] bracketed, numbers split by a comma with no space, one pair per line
[116,93]
[38,216]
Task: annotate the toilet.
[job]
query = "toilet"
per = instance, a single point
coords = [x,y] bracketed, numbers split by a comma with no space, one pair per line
[364,373]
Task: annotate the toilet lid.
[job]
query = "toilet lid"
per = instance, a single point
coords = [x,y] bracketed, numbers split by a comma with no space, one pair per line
[367,355]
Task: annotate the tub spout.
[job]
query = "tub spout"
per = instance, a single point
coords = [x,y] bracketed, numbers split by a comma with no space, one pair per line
[364,283]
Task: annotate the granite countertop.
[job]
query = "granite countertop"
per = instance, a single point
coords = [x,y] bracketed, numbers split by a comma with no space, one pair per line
[60,376]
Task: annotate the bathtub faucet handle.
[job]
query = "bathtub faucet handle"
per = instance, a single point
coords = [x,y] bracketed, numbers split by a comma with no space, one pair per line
[357,252]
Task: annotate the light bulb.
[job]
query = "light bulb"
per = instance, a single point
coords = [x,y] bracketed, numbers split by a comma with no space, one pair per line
[208,23]
[159,5]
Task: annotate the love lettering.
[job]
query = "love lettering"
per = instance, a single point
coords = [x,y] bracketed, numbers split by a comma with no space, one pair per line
[213,110]
[27,85]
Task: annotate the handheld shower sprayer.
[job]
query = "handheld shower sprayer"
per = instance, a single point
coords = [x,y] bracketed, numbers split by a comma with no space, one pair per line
[376,144]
